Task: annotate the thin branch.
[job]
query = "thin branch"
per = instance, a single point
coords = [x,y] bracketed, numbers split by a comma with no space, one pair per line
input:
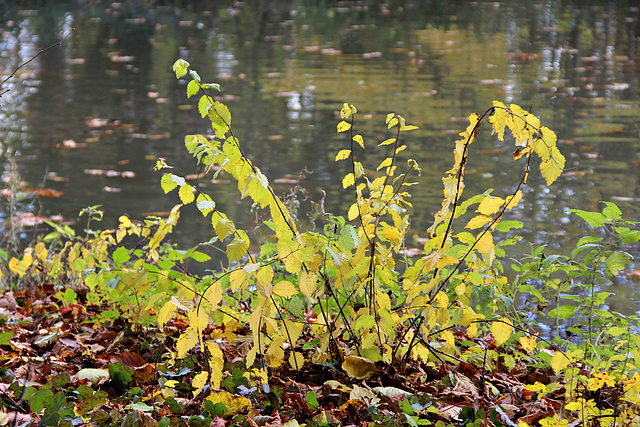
[34,57]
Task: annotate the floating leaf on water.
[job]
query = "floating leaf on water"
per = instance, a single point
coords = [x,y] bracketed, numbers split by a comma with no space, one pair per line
[120,58]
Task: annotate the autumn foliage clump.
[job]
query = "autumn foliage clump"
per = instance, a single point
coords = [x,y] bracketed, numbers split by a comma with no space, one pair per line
[339,326]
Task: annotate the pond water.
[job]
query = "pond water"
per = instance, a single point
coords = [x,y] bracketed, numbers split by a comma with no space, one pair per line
[87,119]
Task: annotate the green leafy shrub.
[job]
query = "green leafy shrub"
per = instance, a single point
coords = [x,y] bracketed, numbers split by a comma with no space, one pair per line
[346,277]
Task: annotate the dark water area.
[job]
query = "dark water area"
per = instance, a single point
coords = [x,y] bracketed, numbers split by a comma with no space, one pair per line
[89,118]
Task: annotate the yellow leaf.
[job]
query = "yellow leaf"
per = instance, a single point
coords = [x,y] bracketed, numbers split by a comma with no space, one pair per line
[359,140]
[199,381]
[16,268]
[275,353]
[485,243]
[124,221]
[213,294]
[441,299]
[216,362]
[536,387]
[41,251]
[186,342]
[490,205]
[27,259]
[528,343]
[498,119]
[478,221]
[343,154]
[559,362]
[205,204]
[186,194]
[512,201]
[348,180]
[224,227]
[387,142]
[470,317]
[392,234]
[237,248]
[232,403]
[385,163]
[343,126]
[408,128]
[501,330]
[284,288]
[165,313]
[198,319]
[448,338]
[552,167]
[308,283]
[265,275]
[359,367]
[353,212]
[472,330]
[171,383]
[296,360]
[347,111]
[238,280]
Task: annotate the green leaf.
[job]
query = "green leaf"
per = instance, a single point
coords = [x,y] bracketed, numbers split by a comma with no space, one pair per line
[199,256]
[180,68]
[616,331]
[39,400]
[564,312]
[91,401]
[5,337]
[61,380]
[121,376]
[121,255]
[366,321]
[505,226]
[594,219]
[204,105]
[611,211]
[312,400]
[192,88]
[140,406]
[617,261]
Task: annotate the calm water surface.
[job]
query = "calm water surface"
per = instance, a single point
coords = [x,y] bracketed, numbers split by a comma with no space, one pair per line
[87,119]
